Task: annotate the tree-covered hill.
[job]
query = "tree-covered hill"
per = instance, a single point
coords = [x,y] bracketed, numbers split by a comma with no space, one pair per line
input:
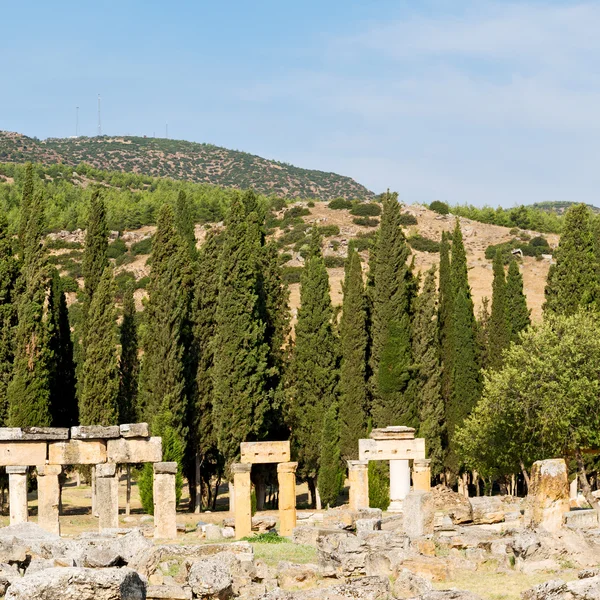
[560,206]
[178,159]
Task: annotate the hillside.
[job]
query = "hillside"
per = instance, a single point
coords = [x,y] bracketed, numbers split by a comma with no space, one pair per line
[177,159]
[560,207]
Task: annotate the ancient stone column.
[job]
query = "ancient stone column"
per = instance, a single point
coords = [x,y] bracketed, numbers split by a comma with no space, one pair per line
[107,496]
[243,508]
[49,497]
[399,483]
[358,475]
[165,500]
[17,484]
[421,474]
[286,475]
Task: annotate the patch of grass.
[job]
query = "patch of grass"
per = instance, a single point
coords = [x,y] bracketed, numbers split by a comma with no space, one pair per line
[272,554]
[269,537]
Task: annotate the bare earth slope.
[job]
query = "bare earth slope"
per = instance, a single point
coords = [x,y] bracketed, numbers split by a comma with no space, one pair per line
[178,159]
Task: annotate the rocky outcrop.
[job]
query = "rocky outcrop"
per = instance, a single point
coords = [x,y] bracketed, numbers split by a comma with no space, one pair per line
[454,505]
[582,589]
[362,588]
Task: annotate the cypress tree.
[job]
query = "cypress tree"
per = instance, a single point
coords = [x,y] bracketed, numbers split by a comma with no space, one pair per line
[129,363]
[483,330]
[98,404]
[393,291]
[313,372]
[240,369]
[426,350]
[353,367]
[184,223]
[95,254]
[25,206]
[573,279]
[331,473]
[445,315]
[499,327]
[9,273]
[63,396]
[516,302]
[29,390]
[162,397]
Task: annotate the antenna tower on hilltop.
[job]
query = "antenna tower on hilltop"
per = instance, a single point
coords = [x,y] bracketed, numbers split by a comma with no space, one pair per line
[99,119]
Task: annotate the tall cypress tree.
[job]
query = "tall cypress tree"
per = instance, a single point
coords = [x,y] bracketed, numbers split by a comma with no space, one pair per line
[162,394]
[331,473]
[129,363]
[394,288]
[25,206]
[313,373]
[445,315]
[516,302]
[573,279]
[483,330]
[240,370]
[184,223]
[95,255]
[29,390]
[499,327]
[9,272]
[353,367]
[98,403]
[63,396]
[465,380]
[426,350]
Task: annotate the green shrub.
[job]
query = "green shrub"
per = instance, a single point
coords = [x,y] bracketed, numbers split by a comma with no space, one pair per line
[408,219]
[62,244]
[539,242]
[340,204]
[291,274]
[117,248]
[363,241]
[514,231]
[423,244]
[270,537]
[141,247]
[366,209]
[296,211]
[276,204]
[285,257]
[365,221]
[69,284]
[298,234]
[329,230]
[310,204]
[333,262]
[441,208]
[122,280]
[142,283]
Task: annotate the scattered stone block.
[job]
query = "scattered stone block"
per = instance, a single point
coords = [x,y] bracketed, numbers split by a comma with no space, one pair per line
[228,532]
[133,430]
[582,519]
[212,532]
[134,450]
[211,578]
[94,432]
[454,505]
[433,569]
[368,525]
[419,513]
[548,497]
[76,452]
[297,577]
[305,535]
[487,509]
[168,592]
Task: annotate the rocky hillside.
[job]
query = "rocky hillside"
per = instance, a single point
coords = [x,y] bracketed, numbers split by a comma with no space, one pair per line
[177,159]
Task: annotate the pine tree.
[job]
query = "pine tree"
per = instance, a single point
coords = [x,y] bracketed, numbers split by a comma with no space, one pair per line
[445,315]
[465,379]
[499,326]
[162,397]
[353,367]
[516,302]
[240,370]
[95,257]
[9,273]
[313,373]
[129,363]
[63,396]
[29,389]
[184,223]
[331,473]
[98,403]
[394,288]
[426,351]
[573,279]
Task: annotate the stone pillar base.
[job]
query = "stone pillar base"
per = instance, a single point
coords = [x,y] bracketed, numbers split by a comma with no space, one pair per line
[49,497]
[242,503]
[17,484]
[286,475]
[165,500]
[107,496]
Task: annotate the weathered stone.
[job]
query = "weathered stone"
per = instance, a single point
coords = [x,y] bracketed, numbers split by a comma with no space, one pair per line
[456,506]
[168,592]
[548,497]
[449,595]
[165,503]
[305,535]
[358,475]
[368,524]
[393,432]
[419,513]
[430,568]
[286,477]
[17,484]
[582,519]
[212,532]
[132,430]
[165,468]
[338,518]
[228,532]
[293,576]
[265,452]
[408,584]
[107,496]
[361,588]
[73,583]
[17,454]
[583,589]
[242,503]
[487,509]
[49,497]
[210,578]
[102,557]
[95,432]
[260,523]
[391,449]
[76,452]
[134,450]
[526,544]
[10,434]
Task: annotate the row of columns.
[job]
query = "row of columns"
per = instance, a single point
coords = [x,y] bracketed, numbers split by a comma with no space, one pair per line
[107,497]
[286,477]
[400,476]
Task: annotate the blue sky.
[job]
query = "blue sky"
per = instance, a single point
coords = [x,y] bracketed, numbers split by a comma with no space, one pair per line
[463,101]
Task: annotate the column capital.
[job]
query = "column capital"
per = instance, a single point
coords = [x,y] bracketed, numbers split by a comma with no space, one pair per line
[17,470]
[43,470]
[240,468]
[287,467]
[169,468]
[106,470]
[357,465]
[422,462]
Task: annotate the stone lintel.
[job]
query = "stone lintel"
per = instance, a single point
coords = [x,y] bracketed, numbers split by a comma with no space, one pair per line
[134,450]
[76,452]
[16,470]
[106,470]
[134,430]
[32,434]
[95,432]
[43,470]
[394,432]
[369,449]
[167,468]
[287,467]
[241,468]
[265,452]
[16,454]
[357,465]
